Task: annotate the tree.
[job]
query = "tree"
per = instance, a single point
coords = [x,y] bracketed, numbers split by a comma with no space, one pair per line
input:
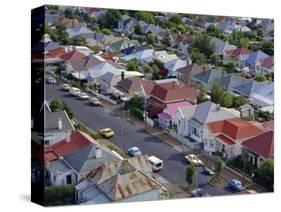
[106,31]
[202,42]
[189,174]
[213,31]
[260,78]
[244,42]
[96,49]
[62,194]
[69,13]
[61,34]
[132,65]
[215,59]
[227,100]
[138,30]
[239,101]
[266,172]
[148,17]
[151,38]
[268,47]
[57,105]
[175,19]
[78,40]
[218,165]
[216,93]
[111,19]
[87,18]
[198,57]
[58,71]
[146,68]
[230,66]
[202,94]
[67,110]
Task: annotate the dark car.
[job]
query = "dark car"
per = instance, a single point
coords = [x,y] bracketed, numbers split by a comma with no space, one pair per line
[134,151]
[236,185]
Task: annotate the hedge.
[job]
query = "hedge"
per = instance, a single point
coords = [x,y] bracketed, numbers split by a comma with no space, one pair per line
[137,112]
[58,195]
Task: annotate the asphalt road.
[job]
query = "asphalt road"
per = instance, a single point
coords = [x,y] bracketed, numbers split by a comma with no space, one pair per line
[99,117]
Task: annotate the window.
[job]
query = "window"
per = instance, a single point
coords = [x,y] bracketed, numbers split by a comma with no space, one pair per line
[69,179]
[195,131]
[54,178]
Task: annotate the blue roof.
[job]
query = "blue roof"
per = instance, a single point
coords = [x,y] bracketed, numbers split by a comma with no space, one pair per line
[132,49]
[256,56]
[251,87]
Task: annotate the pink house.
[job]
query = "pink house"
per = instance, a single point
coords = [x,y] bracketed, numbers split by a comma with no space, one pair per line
[166,117]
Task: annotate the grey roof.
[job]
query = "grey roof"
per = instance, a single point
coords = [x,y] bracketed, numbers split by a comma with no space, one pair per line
[247,89]
[187,111]
[85,160]
[220,46]
[46,46]
[109,79]
[209,76]
[255,56]
[208,111]
[58,166]
[230,81]
[51,123]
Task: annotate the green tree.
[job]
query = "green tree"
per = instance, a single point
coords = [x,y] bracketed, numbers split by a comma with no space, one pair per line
[260,78]
[218,165]
[87,18]
[239,101]
[198,57]
[230,66]
[78,40]
[202,42]
[111,19]
[147,68]
[213,31]
[57,105]
[138,30]
[175,19]
[67,110]
[96,49]
[215,59]
[151,38]
[268,47]
[189,174]
[266,172]
[244,42]
[227,100]
[61,34]
[69,13]
[148,17]
[106,31]
[132,65]
[216,93]
[202,94]
[59,195]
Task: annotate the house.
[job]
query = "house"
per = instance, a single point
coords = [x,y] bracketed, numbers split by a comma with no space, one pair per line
[150,28]
[70,23]
[53,129]
[141,55]
[226,136]
[119,181]
[126,25]
[173,65]
[52,18]
[220,46]
[228,82]
[265,65]
[186,73]
[247,111]
[132,50]
[239,55]
[260,94]
[121,44]
[166,117]
[107,81]
[70,168]
[253,60]
[161,56]
[208,78]
[135,86]
[191,120]
[259,148]
[171,91]
[80,30]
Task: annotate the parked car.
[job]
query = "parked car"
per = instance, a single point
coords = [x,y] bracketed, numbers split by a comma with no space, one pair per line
[194,159]
[236,185]
[156,163]
[51,80]
[134,151]
[65,87]
[107,132]
[94,101]
[199,192]
[83,96]
[74,91]
[208,171]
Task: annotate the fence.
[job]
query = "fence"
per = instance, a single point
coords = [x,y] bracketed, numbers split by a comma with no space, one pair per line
[103,97]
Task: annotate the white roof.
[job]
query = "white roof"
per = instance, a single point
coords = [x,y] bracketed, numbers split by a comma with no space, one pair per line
[154,159]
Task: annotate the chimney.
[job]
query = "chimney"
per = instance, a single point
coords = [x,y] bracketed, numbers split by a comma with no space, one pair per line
[68,134]
[98,152]
[59,123]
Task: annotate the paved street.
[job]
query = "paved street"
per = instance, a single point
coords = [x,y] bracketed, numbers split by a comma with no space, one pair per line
[99,117]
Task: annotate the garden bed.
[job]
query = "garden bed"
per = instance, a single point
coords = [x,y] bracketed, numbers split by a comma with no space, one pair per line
[217,181]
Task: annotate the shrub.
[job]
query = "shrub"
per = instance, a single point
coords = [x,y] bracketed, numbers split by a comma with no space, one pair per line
[137,112]
[59,195]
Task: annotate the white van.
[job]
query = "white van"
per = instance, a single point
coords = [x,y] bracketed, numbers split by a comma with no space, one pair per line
[156,163]
[74,91]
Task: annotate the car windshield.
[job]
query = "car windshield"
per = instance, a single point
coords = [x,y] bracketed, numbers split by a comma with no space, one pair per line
[158,164]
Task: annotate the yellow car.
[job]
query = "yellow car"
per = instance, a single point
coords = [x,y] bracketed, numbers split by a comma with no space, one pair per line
[107,132]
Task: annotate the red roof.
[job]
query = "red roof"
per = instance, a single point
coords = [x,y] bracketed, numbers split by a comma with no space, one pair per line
[76,141]
[107,57]
[225,140]
[237,52]
[53,53]
[268,125]
[173,92]
[262,144]
[72,55]
[267,62]
[236,128]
